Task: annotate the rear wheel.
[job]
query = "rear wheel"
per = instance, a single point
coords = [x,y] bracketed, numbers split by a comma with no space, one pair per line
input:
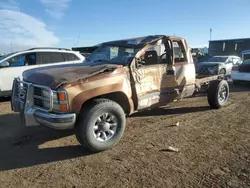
[101,125]
[218,93]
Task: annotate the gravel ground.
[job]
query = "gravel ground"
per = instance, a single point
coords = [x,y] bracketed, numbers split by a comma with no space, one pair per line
[214,150]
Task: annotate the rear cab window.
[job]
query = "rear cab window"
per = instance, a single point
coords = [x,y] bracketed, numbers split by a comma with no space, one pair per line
[179,52]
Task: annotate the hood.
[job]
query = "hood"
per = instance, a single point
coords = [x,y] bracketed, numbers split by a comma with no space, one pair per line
[210,64]
[55,76]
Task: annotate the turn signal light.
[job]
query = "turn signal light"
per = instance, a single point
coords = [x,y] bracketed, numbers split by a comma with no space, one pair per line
[63,107]
[62,96]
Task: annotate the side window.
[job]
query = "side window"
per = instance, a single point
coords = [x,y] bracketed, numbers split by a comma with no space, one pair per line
[114,51]
[151,56]
[51,57]
[179,51]
[56,57]
[223,46]
[155,54]
[70,57]
[17,61]
[30,59]
[44,58]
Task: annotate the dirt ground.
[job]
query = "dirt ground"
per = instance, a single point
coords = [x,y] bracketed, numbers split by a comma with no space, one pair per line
[214,150]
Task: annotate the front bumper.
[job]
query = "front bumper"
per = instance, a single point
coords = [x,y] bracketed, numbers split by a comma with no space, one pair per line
[22,102]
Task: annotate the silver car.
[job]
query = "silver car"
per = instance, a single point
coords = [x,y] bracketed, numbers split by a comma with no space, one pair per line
[217,65]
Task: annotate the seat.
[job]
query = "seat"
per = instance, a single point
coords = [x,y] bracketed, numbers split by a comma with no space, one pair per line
[151,57]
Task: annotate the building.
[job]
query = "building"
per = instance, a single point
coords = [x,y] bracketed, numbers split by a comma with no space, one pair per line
[228,47]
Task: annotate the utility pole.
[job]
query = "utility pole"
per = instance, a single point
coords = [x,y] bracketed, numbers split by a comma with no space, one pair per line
[210,34]
[78,40]
[11,47]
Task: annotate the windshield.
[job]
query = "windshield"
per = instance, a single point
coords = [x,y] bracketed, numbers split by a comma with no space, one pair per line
[112,55]
[7,55]
[217,59]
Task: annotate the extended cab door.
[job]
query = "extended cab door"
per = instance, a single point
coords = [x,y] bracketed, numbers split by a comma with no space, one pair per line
[178,75]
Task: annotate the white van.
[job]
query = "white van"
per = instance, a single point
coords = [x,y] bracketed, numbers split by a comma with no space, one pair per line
[12,65]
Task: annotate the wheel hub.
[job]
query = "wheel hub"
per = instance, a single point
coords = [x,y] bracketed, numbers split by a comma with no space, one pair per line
[105,127]
[223,94]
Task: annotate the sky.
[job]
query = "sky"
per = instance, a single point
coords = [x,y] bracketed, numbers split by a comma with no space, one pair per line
[70,23]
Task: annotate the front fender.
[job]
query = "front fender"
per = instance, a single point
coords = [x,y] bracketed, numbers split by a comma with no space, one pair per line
[82,96]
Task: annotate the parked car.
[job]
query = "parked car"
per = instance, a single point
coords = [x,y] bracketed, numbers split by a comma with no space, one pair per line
[241,71]
[117,79]
[13,64]
[217,65]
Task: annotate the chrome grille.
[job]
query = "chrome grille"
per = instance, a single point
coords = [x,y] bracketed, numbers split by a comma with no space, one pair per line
[39,99]
[38,102]
[32,94]
[37,91]
[22,91]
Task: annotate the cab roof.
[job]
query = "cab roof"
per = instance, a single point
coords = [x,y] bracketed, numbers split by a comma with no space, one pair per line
[138,41]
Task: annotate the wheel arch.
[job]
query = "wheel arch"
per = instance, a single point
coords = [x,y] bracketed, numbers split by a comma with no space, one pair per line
[119,97]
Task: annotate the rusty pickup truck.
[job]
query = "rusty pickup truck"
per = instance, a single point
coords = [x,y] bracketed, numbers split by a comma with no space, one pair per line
[118,78]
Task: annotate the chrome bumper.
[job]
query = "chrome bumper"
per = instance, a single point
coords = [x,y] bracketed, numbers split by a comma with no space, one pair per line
[22,102]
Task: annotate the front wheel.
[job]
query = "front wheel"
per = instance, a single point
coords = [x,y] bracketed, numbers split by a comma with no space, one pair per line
[218,93]
[222,71]
[101,125]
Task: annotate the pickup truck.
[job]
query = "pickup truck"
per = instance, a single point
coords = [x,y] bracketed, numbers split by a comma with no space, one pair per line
[118,78]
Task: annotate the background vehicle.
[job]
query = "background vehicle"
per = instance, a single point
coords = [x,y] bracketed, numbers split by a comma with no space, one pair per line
[217,65]
[117,79]
[12,65]
[241,71]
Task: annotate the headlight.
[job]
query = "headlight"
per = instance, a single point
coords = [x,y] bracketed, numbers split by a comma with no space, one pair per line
[60,100]
[46,94]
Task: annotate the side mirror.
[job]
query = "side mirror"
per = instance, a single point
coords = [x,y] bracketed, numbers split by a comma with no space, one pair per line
[5,64]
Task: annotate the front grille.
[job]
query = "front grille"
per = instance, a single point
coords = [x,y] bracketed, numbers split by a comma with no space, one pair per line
[37,94]
[40,98]
[38,102]
[26,94]
[22,91]
[37,91]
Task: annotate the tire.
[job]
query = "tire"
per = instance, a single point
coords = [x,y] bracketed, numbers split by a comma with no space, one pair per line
[88,119]
[215,96]
[222,71]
